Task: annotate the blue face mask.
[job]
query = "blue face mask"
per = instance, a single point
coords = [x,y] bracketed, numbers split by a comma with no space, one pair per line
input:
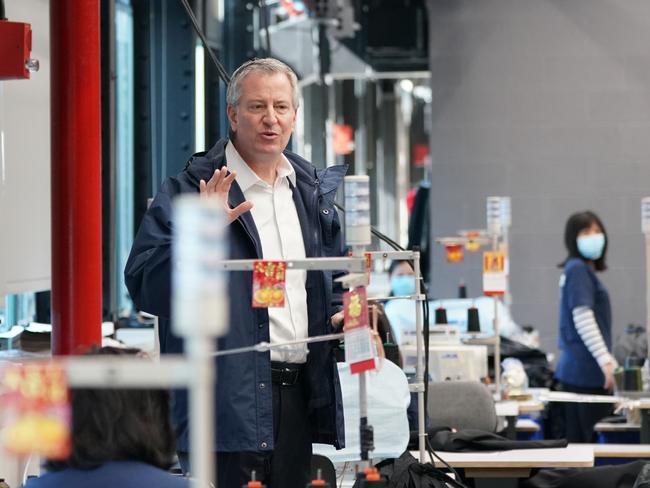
[591,246]
[402,285]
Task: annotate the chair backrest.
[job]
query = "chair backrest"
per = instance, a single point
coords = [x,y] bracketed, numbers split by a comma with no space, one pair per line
[327,470]
[461,405]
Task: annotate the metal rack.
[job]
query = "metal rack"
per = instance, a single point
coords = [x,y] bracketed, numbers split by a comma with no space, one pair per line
[358,266]
[195,370]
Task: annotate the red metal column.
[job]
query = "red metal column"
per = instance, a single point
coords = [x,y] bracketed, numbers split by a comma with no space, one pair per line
[76,175]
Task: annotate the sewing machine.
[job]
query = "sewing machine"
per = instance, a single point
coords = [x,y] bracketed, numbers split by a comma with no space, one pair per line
[449,359]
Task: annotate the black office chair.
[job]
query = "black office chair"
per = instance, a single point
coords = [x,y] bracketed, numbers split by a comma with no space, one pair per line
[328,472]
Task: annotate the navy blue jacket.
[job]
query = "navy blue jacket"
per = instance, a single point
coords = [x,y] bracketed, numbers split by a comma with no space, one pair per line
[244,417]
[125,474]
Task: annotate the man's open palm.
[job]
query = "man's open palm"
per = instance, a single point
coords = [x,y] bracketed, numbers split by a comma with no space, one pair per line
[218,187]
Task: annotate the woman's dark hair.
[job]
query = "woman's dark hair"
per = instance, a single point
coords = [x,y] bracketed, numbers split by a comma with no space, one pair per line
[119,425]
[386,334]
[577,223]
[396,263]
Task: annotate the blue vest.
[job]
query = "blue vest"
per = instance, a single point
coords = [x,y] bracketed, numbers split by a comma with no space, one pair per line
[580,287]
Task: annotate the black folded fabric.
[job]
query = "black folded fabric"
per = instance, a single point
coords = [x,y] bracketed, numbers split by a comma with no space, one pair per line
[469,440]
[619,476]
[407,472]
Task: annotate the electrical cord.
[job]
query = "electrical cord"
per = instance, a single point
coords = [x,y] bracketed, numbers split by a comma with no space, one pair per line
[433,454]
[425,314]
[379,235]
[223,74]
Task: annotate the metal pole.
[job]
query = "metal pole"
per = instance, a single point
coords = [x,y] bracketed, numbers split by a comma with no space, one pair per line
[497,338]
[505,247]
[76,175]
[497,348]
[647,289]
[363,415]
[202,428]
[364,429]
[419,367]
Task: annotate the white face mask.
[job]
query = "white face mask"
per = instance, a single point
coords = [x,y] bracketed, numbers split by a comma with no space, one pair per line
[591,246]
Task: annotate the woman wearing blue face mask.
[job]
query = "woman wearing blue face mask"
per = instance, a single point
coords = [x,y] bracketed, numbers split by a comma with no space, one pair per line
[585,364]
[401,313]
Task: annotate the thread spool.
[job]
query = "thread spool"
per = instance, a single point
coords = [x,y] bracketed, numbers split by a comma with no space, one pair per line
[462,290]
[634,362]
[632,379]
[473,321]
[254,483]
[441,315]
[618,379]
[319,482]
[371,478]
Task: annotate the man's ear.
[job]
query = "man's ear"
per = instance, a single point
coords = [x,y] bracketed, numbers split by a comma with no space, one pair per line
[232,117]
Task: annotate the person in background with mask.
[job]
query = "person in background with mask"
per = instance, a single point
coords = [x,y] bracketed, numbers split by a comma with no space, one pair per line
[401,313]
[585,364]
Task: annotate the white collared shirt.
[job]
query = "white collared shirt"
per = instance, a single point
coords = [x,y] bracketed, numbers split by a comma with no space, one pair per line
[276,219]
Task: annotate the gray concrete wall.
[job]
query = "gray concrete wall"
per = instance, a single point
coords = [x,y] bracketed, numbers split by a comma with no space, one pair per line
[547,101]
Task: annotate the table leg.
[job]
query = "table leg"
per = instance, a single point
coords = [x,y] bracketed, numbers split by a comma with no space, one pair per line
[645,426]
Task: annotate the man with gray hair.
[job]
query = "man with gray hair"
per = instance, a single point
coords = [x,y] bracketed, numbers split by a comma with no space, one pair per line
[270,407]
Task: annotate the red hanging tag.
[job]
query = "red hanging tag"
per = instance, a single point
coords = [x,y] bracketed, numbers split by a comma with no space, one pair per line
[35,414]
[359,349]
[269,278]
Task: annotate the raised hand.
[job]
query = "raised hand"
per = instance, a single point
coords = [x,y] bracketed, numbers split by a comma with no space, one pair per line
[218,187]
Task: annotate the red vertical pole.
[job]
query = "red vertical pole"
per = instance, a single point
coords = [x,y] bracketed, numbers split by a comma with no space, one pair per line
[76,175]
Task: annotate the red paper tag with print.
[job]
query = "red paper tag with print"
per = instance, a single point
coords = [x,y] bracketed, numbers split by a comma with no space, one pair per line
[359,349]
[269,278]
[35,415]
[355,308]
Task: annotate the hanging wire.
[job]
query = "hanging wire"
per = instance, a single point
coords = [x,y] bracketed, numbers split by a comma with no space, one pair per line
[425,303]
[457,482]
[223,74]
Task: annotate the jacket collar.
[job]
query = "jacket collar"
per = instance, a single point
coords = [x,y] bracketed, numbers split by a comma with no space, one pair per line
[325,182]
[202,165]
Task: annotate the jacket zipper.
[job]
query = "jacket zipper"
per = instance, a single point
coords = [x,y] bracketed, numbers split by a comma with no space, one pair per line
[316,207]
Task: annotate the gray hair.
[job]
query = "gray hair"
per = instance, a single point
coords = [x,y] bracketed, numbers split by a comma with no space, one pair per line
[269,66]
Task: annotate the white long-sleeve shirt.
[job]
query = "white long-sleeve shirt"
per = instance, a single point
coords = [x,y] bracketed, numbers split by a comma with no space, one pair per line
[278,226]
[587,327]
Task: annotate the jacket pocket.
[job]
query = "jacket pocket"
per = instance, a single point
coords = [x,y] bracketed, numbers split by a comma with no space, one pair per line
[330,226]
